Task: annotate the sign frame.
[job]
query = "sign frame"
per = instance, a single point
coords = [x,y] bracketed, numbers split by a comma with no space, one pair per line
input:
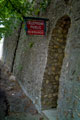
[38,20]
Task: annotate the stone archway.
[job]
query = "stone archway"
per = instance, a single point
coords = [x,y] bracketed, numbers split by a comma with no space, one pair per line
[50,85]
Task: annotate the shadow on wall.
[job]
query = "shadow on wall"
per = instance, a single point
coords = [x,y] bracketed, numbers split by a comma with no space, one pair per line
[56,50]
[4,107]
[66,1]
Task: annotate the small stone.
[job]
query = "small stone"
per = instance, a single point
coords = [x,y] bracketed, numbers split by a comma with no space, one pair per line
[66,54]
[58,39]
[50,95]
[43,102]
[45,96]
[53,68]
[79,78]
[60,50]
[55,94]
[41,118]
[13,94]
[63,47]
[12,78]
[10,88]
[78,114]
[56,46]
[61,40]
[47,81]
[57,77]
[59,31]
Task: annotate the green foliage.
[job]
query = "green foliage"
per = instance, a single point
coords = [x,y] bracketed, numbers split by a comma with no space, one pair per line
[31,44]
[20,67]
[44,4]
[14,10]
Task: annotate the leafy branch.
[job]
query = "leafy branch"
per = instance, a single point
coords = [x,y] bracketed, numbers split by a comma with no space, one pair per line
[13,11]
[15,8]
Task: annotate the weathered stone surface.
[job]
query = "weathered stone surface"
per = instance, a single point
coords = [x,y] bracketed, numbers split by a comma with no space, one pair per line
[9,47]
[32,60]
[41,70]
[54,68]
[13,101]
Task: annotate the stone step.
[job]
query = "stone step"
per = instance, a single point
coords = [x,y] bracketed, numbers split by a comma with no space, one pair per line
[50,114]
[24,117]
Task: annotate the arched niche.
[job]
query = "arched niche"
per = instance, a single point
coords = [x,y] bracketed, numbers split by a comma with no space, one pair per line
[56,48]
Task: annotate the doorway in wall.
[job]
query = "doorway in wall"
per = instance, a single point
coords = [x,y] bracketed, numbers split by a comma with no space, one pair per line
[56,53]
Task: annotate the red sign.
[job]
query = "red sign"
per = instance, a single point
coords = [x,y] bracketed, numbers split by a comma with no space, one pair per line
[35,27]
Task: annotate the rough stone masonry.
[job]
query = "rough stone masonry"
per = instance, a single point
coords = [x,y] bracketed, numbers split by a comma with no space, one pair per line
[49,71]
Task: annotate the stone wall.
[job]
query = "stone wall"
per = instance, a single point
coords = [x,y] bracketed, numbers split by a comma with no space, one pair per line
[52,73]
[30,65]
[48,65]
[69,90]
[9,47]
